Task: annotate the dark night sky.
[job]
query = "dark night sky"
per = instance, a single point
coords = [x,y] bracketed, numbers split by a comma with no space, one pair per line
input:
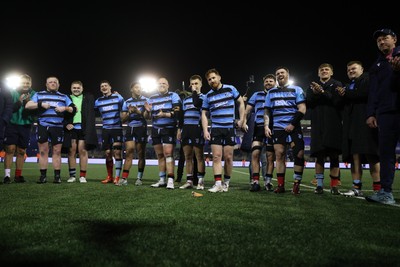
[119,42]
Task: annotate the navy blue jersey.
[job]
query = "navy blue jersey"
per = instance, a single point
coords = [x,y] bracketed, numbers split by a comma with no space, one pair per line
[384,94]
[110,108]
[135,120]
[49,117]
[165,103]
[282,102]
[221,106]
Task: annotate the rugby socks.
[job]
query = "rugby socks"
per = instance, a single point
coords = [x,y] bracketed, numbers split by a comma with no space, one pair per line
[72,172]
[18,173]
[281,179]
[256,177]
[376,186]
[334,181]
[140,173]
[320,179]
[109,166]
[118,167]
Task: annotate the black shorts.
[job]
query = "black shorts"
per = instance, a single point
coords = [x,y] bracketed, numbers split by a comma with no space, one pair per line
[259,135]
[192,135]
[18,135]
[284,138]
[163,136]
[223,136]
[54,135]
[269,147]
[111,136]
[77,134]
[136,134]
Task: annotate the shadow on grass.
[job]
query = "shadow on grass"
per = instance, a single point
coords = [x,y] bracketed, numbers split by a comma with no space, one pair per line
[86,243]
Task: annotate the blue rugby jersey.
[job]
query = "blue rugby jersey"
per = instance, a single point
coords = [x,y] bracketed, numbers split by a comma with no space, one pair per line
[257,101]
[135,120]
[49,117]
[192,114]
[110,109]
[221,106]
[282,102]
[165,102]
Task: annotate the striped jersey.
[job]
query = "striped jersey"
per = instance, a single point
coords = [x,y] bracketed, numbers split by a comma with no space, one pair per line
[257,101]
[49,117]
[110,109]
[191,114]
[282,102]
[220,104]
[135,120]
[165,103]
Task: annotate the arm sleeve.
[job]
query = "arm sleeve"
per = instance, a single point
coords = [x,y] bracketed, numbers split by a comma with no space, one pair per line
[197,100]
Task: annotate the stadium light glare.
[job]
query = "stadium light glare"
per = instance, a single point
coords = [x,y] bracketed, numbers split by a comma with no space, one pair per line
[13,81]
[148,83]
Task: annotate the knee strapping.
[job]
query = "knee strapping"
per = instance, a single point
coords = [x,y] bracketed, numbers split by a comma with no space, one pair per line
[298,161]
[256,148]
[269,149]
[169,159]
[296,150]
[117,147]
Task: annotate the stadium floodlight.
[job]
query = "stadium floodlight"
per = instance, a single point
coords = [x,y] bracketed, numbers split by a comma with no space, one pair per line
[148,83]
[13,81]
[291,81]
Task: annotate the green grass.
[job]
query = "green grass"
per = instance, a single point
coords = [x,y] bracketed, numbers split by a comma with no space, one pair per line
[104,225]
